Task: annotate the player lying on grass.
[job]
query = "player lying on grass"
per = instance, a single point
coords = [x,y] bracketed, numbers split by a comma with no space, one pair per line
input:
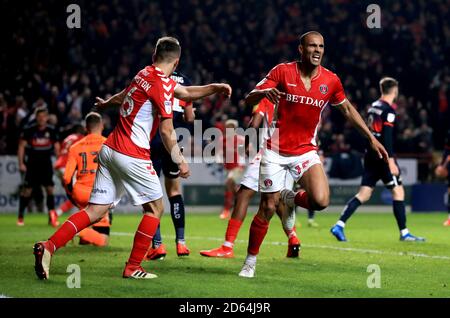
[301,89]
[262,113]
[381,122]
[124,159]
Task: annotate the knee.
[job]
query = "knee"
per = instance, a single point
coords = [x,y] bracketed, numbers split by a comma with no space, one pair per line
[268,207]
[320,201]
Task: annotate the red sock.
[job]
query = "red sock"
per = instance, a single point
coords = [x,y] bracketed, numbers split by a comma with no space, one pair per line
[66,206]
[74,224]
[290,232]
[228,200]
[232,230]
[258,231]
[142,239]
[301,199]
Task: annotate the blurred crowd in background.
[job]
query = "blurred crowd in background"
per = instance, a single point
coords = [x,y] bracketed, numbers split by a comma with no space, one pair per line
[42,62]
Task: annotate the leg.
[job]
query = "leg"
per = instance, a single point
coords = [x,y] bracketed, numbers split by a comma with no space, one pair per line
[243,197]
[315,183]
[142,239]
[363,195]
[287,217]
[258,230]
[24,200]
[228,197]
[77,222]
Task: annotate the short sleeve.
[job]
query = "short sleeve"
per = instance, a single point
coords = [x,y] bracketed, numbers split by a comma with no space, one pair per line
[162,96]
[338,96]
[271,80]
[389,118]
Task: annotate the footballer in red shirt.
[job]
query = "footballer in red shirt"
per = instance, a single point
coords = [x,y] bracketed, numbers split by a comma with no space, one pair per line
[301,90]
[124,163]
[249,186]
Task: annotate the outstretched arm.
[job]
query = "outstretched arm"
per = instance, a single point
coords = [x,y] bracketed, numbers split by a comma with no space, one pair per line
[192,93]
[115,100]
[355,118]
[256,95]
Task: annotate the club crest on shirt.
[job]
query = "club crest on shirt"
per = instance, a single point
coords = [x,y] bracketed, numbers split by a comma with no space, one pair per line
[323,89]
[168,106]
[268,183]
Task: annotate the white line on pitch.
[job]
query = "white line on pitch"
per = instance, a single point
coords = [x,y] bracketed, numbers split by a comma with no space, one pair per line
[346,249]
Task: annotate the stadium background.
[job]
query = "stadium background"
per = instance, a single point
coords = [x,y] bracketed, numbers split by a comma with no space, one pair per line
[42,62]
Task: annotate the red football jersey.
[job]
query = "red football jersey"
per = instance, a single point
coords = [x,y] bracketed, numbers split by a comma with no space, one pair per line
[298,113]
[265,108]
[149,97]
[67,143]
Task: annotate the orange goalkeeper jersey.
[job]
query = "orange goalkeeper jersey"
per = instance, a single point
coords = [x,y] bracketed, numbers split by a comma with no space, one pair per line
[82,158]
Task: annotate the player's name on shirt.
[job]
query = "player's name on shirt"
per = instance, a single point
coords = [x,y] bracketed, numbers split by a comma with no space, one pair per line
[142,82]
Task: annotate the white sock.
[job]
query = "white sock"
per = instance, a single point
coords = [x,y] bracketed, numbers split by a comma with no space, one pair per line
[340,223]
[404,232]
[250,259]
[228,244]
[59,212]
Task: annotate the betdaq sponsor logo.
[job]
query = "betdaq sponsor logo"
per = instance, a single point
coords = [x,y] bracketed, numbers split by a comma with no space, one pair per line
[304,100]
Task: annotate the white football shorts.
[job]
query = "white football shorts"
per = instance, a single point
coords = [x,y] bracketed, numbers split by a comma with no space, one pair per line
[276,168]
[251,175]
[118,173]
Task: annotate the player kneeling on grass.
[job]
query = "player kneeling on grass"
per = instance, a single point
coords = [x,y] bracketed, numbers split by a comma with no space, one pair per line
[124,159]
[83,159]
[60,166]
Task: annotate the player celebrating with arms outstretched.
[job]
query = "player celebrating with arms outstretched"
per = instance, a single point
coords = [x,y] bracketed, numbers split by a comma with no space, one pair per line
[124,159]
[302,89]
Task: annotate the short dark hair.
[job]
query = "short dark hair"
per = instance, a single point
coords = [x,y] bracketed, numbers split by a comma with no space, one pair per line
[304,35]
[387,84]
[92,120]
[40,109]
[167,49]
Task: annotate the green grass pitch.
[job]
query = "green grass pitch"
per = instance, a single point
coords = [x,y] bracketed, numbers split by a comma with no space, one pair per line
[326,268]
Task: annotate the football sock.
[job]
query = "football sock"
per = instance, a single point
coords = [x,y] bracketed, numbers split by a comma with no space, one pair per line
[228,203]
[92,236]
[74,224]
[290,232]
[400,214]
[349,209]
[258,231]
[142,239]
[250,259]
[232,231]
[50,202]
[157,239]
[64,207]
[311,214]
[177,212]
[23,203]
[301,199]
